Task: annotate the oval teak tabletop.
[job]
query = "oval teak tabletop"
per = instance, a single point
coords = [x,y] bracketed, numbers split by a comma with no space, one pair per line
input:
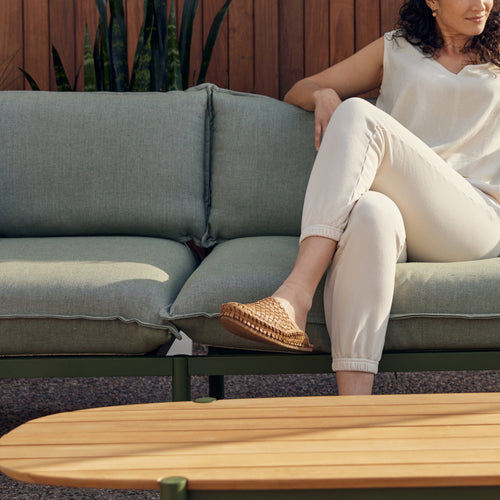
[266,444]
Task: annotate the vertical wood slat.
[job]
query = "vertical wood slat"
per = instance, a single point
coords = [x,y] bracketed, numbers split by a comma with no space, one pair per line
[367,27]
[367,22]
[218,71]
[241,47]
[267,48]
[389,10]
[291,14]
[316,36]
[11,42]
[37,41]
[342,30]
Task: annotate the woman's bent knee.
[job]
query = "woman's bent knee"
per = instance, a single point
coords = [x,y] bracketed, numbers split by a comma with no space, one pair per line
[376,210]
[375,217]
[353,110]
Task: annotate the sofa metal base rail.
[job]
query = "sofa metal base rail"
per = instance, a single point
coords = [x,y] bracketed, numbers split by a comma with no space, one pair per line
[221,362]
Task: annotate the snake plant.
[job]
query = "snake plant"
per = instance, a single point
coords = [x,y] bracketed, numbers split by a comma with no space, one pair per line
[161,60]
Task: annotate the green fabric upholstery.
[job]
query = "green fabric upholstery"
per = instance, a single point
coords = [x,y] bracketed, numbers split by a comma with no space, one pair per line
[51,336]
[103,163]
[102,281]
[460,289]
[262,154]
[446,306]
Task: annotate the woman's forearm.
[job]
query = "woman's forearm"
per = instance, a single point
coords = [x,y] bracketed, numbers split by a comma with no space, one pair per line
[303,94]
[307,93]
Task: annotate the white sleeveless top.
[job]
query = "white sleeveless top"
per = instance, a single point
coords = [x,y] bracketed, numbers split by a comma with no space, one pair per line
[457,115]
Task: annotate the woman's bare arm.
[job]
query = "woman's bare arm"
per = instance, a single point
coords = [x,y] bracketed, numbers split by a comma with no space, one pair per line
[323,92]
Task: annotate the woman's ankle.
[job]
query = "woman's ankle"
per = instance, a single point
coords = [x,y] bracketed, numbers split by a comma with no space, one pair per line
[296,300]
[354,383]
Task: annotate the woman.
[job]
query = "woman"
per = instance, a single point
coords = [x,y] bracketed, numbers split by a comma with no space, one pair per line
[417,177]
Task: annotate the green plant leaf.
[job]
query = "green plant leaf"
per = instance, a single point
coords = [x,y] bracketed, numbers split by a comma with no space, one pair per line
[31,81]
[159,46]
[118,45]
[102,8]
[77,75]
[210,42]
[62,80]
[174,75]
[89,75]
[107,68]
[98,62]
[185,38]
[102,51]
[141,77]
[140,80]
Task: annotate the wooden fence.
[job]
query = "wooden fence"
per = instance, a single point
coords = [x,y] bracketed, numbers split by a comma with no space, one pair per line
[264,45]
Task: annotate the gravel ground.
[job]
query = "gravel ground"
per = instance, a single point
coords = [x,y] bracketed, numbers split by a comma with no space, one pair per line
[24,399]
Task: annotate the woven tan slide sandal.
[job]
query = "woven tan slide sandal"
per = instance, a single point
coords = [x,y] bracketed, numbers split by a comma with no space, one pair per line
[264,321]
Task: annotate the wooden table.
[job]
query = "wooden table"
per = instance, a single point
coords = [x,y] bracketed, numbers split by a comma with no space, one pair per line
[428,446]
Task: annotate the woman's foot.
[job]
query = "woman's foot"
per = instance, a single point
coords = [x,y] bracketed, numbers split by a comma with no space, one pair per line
[265,321]
[281,319]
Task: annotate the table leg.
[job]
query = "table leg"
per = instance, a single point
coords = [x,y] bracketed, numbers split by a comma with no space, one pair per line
[173,488]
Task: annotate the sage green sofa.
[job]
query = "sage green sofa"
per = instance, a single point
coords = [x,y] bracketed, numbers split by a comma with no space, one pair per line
[126,218]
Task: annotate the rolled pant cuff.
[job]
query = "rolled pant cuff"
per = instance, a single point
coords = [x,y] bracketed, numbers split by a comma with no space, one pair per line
[354,365]
[321,230]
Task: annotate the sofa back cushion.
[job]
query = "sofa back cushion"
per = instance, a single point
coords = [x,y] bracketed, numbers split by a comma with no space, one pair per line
[103,164]
[262,154]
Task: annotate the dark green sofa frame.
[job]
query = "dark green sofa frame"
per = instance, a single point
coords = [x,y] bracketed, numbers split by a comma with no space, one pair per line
[221,362]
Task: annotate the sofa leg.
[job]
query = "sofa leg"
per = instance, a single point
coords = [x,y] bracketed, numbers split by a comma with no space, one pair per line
[181,382]
[216,386]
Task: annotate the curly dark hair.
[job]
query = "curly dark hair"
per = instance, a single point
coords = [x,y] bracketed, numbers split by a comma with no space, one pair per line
[417,25]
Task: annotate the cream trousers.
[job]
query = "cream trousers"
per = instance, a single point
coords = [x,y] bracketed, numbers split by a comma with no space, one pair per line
[385,196]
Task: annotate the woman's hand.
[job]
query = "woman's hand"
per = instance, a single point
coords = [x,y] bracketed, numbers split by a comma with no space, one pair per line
[326,102]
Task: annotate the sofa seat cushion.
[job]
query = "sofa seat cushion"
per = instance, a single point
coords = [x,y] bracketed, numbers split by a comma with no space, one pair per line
[88,294]
[436,305]
[446,306]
